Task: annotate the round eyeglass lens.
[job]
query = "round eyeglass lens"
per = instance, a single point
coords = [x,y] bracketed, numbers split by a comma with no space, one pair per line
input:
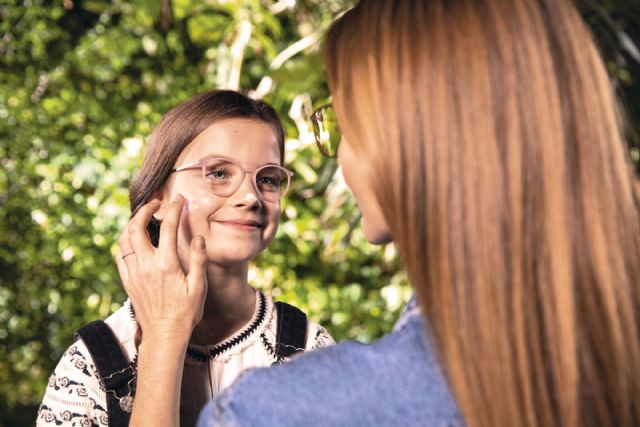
[325,129]
[272,182]
[222,176]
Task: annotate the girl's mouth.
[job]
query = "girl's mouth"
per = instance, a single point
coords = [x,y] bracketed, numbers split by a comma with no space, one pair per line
[242,224]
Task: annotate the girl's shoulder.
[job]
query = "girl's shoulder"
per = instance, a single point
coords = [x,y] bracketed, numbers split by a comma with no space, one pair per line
[73,395]
[316,335]
[124,326]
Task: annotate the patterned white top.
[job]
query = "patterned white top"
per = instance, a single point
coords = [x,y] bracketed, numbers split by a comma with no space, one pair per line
[74,396]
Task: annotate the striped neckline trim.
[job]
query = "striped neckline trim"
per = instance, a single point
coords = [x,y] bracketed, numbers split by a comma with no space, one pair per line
[227,345]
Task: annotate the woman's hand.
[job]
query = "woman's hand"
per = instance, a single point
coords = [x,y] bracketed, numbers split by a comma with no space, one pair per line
[168,303]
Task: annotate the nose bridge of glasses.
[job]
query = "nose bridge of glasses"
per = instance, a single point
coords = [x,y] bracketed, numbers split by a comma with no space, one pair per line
[252,180]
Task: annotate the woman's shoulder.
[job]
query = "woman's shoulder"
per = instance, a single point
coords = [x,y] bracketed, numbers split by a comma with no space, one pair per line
[392,381]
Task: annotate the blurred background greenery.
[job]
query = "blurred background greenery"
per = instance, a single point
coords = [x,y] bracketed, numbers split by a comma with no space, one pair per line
[83,82]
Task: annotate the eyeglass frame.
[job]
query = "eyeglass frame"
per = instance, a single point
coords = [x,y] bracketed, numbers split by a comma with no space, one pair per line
[198,164]
[314,120]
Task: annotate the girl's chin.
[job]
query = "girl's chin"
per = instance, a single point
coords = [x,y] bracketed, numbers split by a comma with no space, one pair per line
[232,257]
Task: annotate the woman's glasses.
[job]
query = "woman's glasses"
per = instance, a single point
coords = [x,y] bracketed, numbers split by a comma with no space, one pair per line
[325,130]
[224,177]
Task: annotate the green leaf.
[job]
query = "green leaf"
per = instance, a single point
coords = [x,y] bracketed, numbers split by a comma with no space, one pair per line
[208,28]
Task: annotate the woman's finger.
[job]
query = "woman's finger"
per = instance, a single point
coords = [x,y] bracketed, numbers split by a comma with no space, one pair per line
[122,270]
[169,229]
[127,255]
[196,279]
[137,230]
[184,228]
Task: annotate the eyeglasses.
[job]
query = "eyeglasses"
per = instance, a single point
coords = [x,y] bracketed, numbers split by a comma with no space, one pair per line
[325,130]
[224,177]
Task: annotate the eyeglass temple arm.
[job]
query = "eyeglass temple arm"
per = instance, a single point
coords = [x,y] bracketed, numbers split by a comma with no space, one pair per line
[187,166]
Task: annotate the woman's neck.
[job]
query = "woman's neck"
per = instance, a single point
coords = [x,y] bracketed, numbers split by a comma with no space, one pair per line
[229,304]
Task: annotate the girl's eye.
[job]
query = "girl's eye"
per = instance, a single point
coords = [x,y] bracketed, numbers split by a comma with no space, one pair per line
[269,181]
[217,174]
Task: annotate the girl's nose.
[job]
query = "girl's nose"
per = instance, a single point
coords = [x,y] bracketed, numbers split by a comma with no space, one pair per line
[246,195]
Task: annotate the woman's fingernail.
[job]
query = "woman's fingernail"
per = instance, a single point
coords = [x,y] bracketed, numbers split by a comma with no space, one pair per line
[178,198]
[200,243]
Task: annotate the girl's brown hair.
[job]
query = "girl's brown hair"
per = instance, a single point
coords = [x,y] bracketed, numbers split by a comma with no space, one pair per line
[179,127]
[495,147]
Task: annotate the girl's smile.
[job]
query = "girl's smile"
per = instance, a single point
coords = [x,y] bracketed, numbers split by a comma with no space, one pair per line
[240,224]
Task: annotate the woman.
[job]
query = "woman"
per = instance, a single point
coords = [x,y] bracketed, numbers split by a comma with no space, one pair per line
[213,170]
[483,138]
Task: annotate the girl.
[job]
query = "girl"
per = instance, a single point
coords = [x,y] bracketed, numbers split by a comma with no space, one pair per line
[213,170]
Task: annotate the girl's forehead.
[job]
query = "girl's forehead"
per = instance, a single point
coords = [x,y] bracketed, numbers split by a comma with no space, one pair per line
[243,140]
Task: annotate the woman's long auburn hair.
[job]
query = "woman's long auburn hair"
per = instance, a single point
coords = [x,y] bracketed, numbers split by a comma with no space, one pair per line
[494,142]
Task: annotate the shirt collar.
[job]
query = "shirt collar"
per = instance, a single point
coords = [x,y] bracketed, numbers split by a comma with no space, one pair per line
[411,309]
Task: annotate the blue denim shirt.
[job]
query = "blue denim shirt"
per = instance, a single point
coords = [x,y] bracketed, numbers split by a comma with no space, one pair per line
[392,382]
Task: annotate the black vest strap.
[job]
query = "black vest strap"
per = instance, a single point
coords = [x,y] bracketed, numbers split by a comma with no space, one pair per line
[117,375]
[292,330]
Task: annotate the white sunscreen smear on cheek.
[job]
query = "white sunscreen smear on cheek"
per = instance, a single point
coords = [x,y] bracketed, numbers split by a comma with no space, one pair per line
[193,200]
[193,205]
[250,198]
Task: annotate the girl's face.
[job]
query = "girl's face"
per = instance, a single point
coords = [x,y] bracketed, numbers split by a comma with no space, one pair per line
[236,227]
[374,226]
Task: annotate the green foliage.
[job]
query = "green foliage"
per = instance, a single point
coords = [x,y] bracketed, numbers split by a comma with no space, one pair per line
[83,82]
[82,85]
[616,26]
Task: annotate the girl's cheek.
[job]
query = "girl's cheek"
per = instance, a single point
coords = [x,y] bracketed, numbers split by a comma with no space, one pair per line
[199,206]
[197,199]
